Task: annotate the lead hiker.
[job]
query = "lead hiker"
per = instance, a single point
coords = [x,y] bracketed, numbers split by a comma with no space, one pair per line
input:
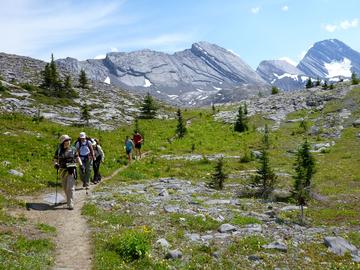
[65,159]
[99,157]
[86,153]
[138,140]
[129,145]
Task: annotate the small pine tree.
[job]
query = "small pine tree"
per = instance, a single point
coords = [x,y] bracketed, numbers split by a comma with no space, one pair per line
[218,177]
[265,177]
[325,85]
[213,108]
[304,170]
[2,88]
[51,79]
[331,86]
[241,121]
[317,82]
[274,90]
[309,83]
[304,125]
[136,126]
[148,108]
[245,109]
[83,81]
[354,79]
[85,113]
[180,128]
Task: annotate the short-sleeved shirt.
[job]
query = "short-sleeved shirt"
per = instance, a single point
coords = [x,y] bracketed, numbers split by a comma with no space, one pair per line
[84,148]
[137,139]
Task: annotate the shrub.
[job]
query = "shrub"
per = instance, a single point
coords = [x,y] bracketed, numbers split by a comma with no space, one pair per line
[275,90]
[132,244]
[2,88]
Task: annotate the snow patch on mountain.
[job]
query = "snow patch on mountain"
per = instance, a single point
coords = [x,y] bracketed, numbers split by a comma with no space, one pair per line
[337,68]
[107,80]
[292,76]
[147,83]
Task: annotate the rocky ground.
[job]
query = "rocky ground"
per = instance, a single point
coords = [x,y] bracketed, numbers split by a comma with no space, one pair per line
[168,205]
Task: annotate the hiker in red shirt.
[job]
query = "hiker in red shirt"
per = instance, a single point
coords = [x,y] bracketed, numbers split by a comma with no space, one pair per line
[138,140]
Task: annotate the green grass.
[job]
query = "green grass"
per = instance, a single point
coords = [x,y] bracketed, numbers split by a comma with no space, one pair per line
[244,220]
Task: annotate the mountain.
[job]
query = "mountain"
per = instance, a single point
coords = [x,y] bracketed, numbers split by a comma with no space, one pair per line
[281,74]
[197,76]
[330,59]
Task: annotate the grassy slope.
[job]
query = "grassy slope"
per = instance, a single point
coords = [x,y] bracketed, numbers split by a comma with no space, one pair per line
[337,177]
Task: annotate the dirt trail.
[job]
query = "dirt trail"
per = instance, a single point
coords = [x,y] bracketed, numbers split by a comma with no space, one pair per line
[73,239]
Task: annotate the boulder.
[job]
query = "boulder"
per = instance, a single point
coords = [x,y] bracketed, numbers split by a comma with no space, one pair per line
[356,123]
[339,245]
[173,254]
[163,243]
[225,228]
[278,245]
[16,173]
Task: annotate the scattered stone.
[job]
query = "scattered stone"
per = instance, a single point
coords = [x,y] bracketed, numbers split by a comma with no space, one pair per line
[6,163]
[254,258]
[16,173]
[356,123]
[314,130]
[291,208]
[195,237]
[173,254]
[226,228]
[171,209]
[278,245]
[163,243]
[212,202]
[164,193]
[339,245]
[256,154]
[215,255]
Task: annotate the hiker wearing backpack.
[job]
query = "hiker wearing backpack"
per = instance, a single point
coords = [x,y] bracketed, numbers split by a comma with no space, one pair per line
[99,157]
[138,140]
[65,159]
[129,146]
[86,153]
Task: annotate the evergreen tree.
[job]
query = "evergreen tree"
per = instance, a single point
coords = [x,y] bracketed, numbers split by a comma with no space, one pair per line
[2,88]
[47,76]
[51,79]
[213,108]
[274,90]
[317,82]
[137,128]
[148,108]
[309,83]
[331,86]
[325,85]
[83,81]
[218,177]
[304,171]
[85,113]
[266,177]
[241,121]
[245,109]
[181,128]
[354,79]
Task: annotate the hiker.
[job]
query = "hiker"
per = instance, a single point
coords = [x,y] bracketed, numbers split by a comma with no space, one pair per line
[129,145]
[138,140]
[65,159]
[99,157]
[86,153]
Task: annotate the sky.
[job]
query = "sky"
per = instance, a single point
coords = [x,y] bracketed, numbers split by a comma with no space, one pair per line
[255,30]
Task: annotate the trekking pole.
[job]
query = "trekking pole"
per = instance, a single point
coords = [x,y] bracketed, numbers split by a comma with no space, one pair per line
[57,180]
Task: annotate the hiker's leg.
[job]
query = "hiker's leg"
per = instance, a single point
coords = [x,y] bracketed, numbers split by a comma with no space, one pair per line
[88,166]
[63,174]
[70,189]
[82,174]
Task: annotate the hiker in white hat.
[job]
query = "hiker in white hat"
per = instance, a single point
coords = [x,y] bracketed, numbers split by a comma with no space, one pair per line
[86,153]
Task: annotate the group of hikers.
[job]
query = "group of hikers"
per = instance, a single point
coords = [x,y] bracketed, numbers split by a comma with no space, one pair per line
[88,154]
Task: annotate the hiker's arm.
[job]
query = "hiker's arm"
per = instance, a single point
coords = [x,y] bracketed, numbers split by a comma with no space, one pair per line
[78,159]
[101,153]
[92,152]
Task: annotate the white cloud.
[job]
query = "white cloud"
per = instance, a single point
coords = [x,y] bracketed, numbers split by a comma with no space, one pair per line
[30,26]
[113,49]
[289,60]
[255,10]
[285,8]
[344,25]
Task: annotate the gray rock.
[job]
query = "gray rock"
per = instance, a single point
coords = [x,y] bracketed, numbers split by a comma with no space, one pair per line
[226,228]
[314,130]
[16,173]
[356,123]
[171,209]
[256,154]
[173,254]
[278,245]
[254,258]
[339,245]
[291,208]
[164,193]
[6,163]
[163,243]
[195,237]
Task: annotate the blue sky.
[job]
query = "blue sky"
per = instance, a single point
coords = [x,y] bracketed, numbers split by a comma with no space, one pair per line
[256,30]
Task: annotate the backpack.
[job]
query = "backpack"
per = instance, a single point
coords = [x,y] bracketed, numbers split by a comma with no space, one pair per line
[88,141]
